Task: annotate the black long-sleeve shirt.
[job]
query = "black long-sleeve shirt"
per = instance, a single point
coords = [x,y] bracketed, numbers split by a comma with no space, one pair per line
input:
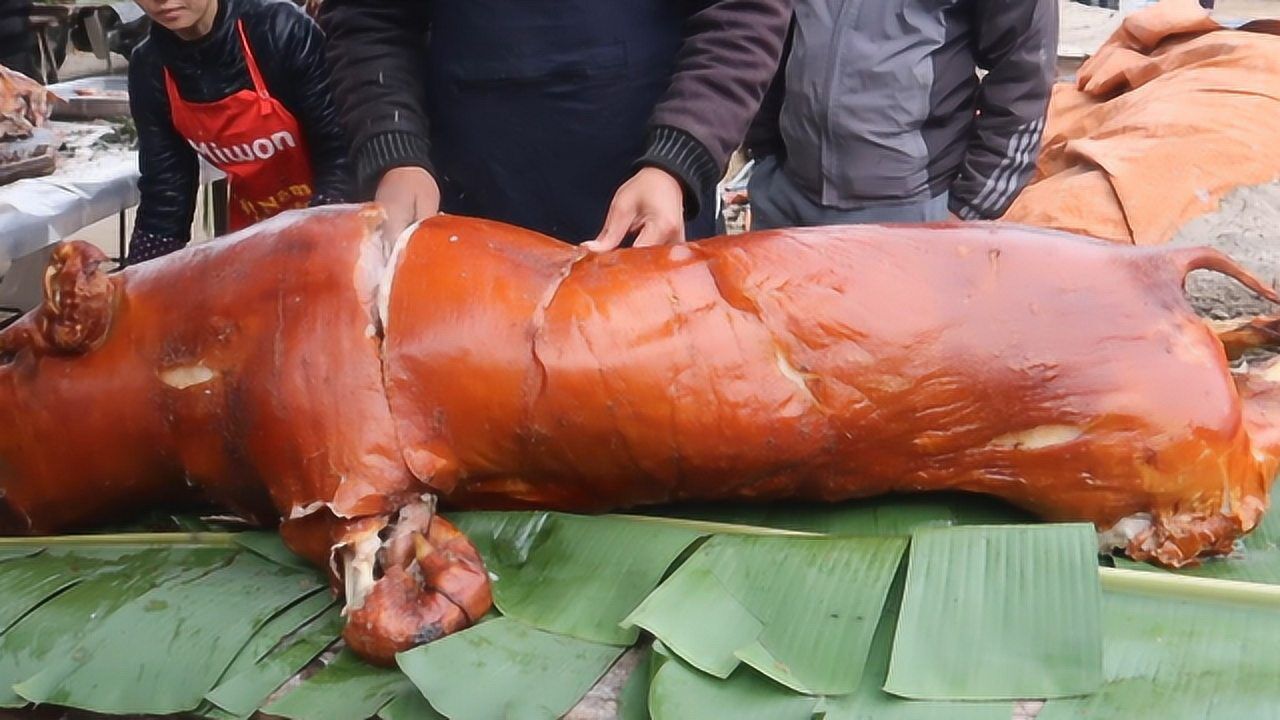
[289,49]
[730,51]
[17,41]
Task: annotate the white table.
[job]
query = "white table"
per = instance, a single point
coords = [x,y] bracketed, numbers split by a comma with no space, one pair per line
[38,212]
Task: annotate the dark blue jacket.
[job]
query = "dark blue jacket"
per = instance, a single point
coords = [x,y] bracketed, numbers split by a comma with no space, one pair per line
[533,112]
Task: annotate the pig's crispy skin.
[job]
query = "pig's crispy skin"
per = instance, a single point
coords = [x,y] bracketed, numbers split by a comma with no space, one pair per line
[246,372]
[1068,377]
[1262,331]
[292,372]
[248,369]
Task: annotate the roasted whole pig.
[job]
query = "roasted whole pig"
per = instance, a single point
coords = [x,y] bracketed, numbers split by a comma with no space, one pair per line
[301,372]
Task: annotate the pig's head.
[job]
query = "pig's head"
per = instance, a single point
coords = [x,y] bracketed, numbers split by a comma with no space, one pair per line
[242,372]
[246,373]
[40,356]
[75,313]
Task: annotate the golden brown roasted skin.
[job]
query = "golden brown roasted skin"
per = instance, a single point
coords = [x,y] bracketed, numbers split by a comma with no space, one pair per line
[292,372]
[244,372]
[1262,331]
[234,370]
[1068,377]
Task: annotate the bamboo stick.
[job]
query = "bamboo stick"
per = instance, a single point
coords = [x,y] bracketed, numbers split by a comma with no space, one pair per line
[710,526]
[1189,587]
[211,539]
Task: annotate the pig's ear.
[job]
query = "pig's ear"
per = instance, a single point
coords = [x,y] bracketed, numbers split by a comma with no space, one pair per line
[78,299]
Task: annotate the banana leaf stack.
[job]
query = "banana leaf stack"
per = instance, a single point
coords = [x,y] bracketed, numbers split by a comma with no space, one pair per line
[903,608]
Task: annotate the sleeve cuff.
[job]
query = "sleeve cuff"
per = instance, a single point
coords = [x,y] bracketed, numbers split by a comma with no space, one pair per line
[964,210]
[327,198]
[145,246]
[387,151]
[679,153]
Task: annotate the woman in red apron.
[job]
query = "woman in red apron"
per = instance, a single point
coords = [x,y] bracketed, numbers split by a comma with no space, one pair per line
[244,85]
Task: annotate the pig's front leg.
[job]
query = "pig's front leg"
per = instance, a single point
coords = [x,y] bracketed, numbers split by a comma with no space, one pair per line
[408,579]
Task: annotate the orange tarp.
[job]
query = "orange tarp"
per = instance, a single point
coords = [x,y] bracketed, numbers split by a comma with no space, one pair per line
[1170,115]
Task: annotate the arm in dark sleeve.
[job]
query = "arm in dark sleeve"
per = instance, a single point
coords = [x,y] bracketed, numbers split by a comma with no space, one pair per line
[1017,42]
[170,171]
[309,95]
[729,56]
[376,51]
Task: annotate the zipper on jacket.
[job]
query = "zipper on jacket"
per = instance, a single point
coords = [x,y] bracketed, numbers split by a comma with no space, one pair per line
[833,66]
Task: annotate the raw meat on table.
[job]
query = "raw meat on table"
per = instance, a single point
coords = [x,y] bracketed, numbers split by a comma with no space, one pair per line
[24,104]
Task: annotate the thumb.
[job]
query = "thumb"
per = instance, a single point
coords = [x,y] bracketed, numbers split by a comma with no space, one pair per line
[656,231]
[399,217]
[396,207]
[651,234]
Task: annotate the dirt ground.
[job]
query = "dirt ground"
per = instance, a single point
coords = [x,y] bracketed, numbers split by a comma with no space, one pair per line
[1247,228]
[1247,8]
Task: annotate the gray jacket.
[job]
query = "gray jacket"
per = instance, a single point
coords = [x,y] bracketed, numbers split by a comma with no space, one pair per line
[880,100]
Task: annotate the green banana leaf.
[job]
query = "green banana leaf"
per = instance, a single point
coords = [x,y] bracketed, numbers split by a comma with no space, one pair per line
[891,515]
[679,692]
[409,705]
[269,547]
[10,553]
[201,624]
[633,700]
[346,689]
[737,599]
[504,668]
[51,632]
[575,578]
[871,702]
[999,612]
[1182,660]
[29,581]
[573,575]
[247,685]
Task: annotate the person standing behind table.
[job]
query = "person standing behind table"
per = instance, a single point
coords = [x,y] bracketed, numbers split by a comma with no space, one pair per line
[586,120]
[879,114]
[17,38]
[244,84]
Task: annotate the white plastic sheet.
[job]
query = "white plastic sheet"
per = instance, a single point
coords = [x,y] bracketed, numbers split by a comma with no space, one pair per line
[40,211]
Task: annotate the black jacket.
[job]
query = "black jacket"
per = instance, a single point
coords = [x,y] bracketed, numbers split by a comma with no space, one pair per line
[729,54]
[289,48]
[16,37]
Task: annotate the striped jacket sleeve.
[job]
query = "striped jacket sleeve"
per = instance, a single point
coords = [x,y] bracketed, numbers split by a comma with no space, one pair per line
[1016,43]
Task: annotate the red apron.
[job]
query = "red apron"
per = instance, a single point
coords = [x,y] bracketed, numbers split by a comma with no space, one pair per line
[252,138]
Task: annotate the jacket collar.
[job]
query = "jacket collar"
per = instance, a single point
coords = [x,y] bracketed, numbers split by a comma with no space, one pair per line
[221,45]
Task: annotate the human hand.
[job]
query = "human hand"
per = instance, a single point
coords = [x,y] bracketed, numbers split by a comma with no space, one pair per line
[650,203]
[408,194]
